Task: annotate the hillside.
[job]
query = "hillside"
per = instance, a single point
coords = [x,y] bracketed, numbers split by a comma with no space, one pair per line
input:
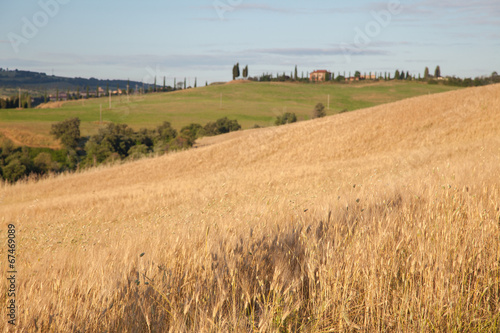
[382,219]
[251,104]
[38,83]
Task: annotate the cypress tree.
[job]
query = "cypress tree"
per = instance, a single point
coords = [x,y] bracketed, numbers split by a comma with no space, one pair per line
[426,73]
[195,82]
[437,72]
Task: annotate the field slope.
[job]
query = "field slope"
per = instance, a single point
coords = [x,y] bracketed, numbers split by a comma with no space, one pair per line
[250,103]
[382,219]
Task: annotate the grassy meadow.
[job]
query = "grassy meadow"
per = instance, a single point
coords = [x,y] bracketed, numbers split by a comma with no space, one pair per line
[250,103]
[386,219]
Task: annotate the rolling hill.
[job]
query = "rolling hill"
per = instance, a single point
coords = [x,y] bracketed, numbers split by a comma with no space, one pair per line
[251,104]
[381,219]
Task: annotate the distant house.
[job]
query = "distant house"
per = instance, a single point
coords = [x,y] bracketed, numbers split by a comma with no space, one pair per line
[320,75]
[368,77]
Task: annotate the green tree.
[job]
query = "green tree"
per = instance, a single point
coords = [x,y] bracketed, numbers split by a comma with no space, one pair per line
[296,74]
[191,132]
[43,162]
[319,111]
[166,132]
[245,72]
[286,118]
[14,170]
[68,131]
[397,75]
[107,89]
[236,71]
[426,73]
[195,82]
[437,72]
[221,126]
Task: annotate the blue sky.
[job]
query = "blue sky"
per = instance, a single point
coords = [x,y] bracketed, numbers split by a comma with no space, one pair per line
[204,38]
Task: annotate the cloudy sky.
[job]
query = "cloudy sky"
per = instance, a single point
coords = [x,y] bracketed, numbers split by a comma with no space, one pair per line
[204,38]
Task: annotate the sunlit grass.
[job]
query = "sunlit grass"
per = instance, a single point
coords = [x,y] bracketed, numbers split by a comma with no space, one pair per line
[385,219]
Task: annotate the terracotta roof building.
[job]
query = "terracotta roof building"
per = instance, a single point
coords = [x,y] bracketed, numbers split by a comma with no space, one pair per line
[321,75]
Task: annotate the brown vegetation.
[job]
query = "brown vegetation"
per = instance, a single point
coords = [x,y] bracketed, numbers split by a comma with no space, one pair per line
[384,219]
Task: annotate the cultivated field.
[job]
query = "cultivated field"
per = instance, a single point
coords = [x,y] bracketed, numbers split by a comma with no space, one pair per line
[249,103]
[383,219]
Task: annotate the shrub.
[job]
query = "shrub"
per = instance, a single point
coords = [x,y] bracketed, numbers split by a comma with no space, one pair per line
[68,131]
[137,152]
[286,118]
[191,132]
[319,111]
[43,162]
[165,132]
[14,170]
[221,126]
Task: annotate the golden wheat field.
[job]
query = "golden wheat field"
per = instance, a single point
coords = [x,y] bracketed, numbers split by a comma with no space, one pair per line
[380,220]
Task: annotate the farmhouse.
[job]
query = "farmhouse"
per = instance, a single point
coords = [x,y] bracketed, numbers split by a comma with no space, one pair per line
[320,75]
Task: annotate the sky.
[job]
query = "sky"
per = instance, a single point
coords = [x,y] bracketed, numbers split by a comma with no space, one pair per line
[202,39]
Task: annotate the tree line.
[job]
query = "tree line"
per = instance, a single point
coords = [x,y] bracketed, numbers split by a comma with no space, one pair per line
[113,142]
[427,77]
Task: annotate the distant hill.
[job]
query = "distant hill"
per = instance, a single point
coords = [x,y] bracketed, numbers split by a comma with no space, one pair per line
[41,82]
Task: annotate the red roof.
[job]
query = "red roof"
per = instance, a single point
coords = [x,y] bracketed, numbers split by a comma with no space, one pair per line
[320,71]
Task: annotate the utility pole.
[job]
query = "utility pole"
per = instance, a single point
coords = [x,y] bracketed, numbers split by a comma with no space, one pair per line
[100,114]
[109,93]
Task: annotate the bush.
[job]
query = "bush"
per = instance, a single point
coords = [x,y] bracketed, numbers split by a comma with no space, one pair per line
[191,132]
[221,126]
[68,131]
[319,111]
[14,171]
[137,152]
[286,118]
[43,162]
[165,132]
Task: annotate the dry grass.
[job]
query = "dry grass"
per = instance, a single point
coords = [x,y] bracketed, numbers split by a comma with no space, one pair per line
[384,219]
[24,136]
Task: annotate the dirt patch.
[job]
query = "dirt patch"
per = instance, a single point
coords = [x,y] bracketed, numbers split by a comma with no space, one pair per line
[50,105]
[238,81]
[26,138]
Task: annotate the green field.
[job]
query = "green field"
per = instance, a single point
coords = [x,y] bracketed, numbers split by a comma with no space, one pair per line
[250,103]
